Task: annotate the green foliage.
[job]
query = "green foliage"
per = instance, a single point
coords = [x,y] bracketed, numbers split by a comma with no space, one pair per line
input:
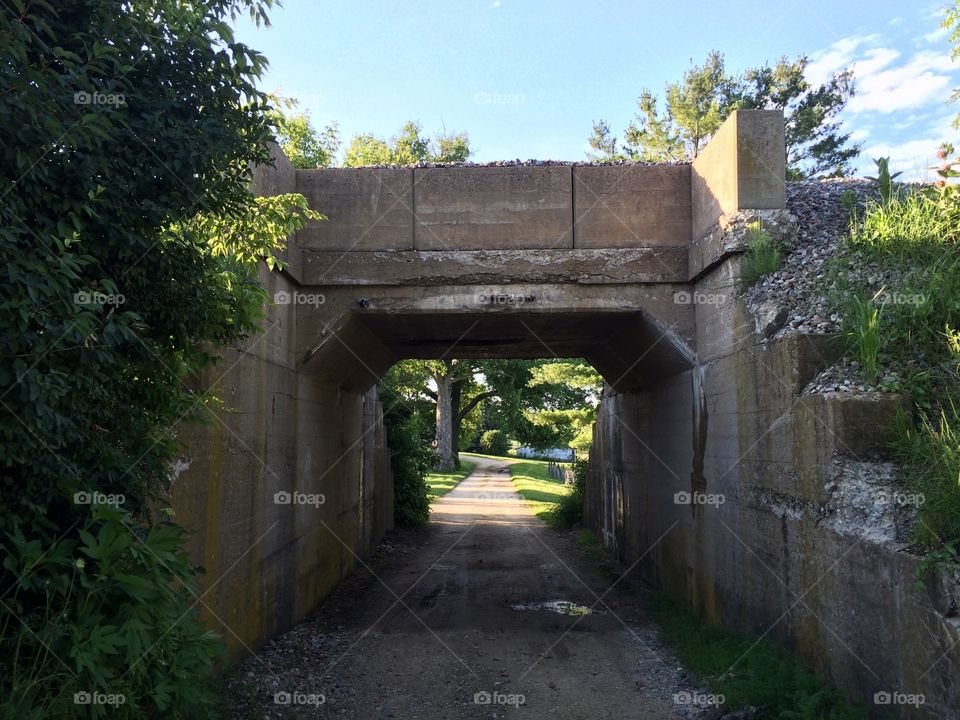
[762,256]
[121,596]
[930,452]
[748,671]
[131,249]
[303,145]
[568,512]
[603,144]
[911,237]
[539,490]
[697,105]
[411,457]
[865,335]
[885,180]
[951,22]
[408,147]
[494,442]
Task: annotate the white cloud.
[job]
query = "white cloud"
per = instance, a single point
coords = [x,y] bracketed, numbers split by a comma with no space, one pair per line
[914,158]
[837,57]
[937,35]
[882,88]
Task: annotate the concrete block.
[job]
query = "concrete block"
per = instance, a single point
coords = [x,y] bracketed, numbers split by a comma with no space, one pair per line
[485,208]
[631,206]
[367,209]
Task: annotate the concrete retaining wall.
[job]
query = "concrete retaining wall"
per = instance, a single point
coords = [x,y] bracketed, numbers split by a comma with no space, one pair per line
[269,562]
[801,547]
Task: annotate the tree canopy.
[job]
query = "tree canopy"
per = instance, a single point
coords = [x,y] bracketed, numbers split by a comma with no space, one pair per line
[131,249]
[408,147]
[695,106]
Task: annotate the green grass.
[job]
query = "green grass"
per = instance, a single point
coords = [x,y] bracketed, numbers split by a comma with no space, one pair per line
[748,671]
[537,488]
[762,256]
[909,325]
[439,484]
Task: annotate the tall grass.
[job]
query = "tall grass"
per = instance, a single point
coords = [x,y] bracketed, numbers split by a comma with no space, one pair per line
[910,237]
[762,256]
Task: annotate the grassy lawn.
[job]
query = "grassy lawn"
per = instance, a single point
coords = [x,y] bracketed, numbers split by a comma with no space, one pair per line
[538,489]
[440,484]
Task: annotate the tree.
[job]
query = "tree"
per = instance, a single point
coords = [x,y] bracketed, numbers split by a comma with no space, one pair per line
[569,393]
[603,143]
[408,147]
[815,144]
[303,145]
[696,106]
[131,248]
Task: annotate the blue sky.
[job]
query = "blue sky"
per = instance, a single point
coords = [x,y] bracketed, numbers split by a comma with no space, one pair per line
[526,79]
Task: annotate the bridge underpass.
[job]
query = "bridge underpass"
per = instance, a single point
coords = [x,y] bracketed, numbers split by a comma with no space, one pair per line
[635,268]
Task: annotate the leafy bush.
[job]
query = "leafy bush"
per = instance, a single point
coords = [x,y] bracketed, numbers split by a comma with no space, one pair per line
[568,512]
[131,248]
[411,458]
[494,442]
[762,256]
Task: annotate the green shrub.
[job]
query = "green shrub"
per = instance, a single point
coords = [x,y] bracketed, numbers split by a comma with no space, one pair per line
[122,595]
[494,442]
[131,248]
[411,458]
[568,512]
[762,256]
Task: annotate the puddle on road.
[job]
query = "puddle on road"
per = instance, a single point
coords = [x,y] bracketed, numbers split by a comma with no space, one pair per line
[561,607]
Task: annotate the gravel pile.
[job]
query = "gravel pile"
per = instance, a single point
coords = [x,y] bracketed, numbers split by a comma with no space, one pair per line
[797,289]
[518,163]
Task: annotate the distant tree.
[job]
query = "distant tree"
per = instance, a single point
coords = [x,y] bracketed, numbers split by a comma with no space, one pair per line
[408,147]
[603,143]
[304,146]
[815,144]
[696,106]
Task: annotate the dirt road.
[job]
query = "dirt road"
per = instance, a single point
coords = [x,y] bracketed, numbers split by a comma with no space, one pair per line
[448,623]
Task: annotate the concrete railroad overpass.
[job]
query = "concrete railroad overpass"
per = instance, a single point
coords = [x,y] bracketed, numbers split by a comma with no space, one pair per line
[635,268]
